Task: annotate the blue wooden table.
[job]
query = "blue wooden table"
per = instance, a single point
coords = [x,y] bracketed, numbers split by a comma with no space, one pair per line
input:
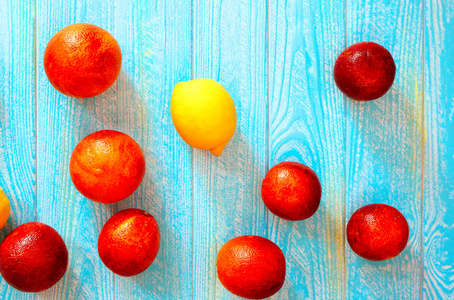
[276,59]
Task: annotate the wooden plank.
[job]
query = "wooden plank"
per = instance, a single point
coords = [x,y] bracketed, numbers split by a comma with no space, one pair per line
[61,123]
[307,125]
[17,118]
[156,40]
[438,227]
[138,104]
[230,47]
[384,146]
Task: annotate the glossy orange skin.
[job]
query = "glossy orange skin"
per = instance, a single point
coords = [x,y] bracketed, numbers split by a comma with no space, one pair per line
[107,166]
[33,257]
[364,71]
[129,242]
[291,191]
[82,60]
[251,267]
[377,232]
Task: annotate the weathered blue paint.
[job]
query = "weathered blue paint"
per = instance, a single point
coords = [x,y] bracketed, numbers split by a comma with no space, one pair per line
[438,239]
[17,119]
[230,47]
[275,58]
[384,146]
[307,125]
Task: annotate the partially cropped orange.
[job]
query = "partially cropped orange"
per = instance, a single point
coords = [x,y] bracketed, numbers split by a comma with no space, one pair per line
[82,60]
[107,166]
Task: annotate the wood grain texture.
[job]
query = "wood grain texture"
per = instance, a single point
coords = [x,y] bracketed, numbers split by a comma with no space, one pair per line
[61,123]
[276,59]
[307,125]
[17,118]
[384,146]
[155,57]
[230,47]
[156,40]
[438,241]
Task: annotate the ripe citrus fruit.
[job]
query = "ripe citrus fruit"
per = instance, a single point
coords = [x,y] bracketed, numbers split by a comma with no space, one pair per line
[364,71]
[82,60]
[251,267]
[291,191]
[377,232]
[4,209]
[33,257]
[107,166]
[129,242]
[204,114]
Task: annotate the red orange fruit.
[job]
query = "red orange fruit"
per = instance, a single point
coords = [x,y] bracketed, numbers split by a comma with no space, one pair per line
[291,191]
[364,71]
[33,257]
[107,166]
[251,267]
[129,242]
[82,60]
[377,232]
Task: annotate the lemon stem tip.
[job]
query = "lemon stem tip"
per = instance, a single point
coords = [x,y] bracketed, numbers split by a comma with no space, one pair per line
[217,151]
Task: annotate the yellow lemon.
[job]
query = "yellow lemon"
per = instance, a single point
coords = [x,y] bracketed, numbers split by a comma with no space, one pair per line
[4,209]
[204,114]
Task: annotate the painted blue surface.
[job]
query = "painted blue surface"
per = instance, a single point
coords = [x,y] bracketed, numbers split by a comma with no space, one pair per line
[17,119]
[275,58]
[307,124]
[230,46]
[384,151]
[438,230]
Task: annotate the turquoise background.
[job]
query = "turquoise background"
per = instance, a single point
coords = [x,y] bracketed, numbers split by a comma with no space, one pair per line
[276,59]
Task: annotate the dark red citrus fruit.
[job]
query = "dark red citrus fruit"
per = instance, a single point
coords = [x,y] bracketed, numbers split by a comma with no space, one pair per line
[364,71]
[33,257]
